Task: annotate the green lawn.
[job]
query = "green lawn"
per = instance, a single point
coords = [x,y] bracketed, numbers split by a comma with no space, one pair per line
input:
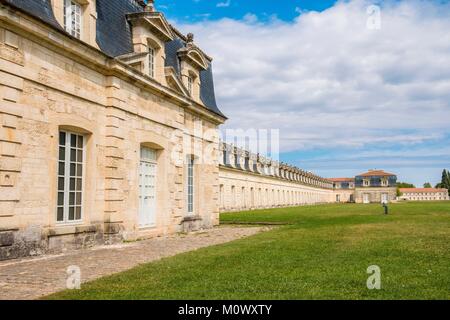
[321,253]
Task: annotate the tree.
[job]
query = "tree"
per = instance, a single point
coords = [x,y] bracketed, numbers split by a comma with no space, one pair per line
[427,185]
[401,185]
[445,181]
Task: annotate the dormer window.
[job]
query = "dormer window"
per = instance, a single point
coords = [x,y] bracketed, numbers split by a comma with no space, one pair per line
[366,182]
[384,182]
[151,62]
[190,84]
[73,18]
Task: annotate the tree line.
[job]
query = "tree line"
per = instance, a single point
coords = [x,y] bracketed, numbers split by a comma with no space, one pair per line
[445,183]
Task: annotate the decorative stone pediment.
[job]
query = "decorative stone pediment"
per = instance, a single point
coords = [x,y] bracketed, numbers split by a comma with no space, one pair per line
[192,54]
[174,81]
[156,23]
[194,57]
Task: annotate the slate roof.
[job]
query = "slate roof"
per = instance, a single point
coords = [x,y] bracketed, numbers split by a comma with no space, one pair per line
[113,29]
[342,179]
[376,173]
[114,36]
[40,9]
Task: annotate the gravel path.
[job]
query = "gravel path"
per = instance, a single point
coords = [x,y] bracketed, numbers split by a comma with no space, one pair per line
[32,278]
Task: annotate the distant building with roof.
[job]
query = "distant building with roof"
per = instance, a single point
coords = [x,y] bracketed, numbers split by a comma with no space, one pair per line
[423,194]
[373,186]
[344,189]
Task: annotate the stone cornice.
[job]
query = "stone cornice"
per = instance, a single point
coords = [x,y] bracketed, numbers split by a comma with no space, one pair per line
[282,170]
[224,167]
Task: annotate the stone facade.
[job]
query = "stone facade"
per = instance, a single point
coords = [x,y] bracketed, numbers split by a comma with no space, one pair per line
[249,181]
[51,82]
[423,194]
[108,132]
[344,189]
[374,186]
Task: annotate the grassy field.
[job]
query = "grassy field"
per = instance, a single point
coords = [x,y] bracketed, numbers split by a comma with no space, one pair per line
[321,253]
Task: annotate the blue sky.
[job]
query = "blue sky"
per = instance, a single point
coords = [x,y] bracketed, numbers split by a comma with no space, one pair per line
[344,98]
[195,10]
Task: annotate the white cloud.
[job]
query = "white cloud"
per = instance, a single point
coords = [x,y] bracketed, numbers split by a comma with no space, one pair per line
[327,81]
[224,4]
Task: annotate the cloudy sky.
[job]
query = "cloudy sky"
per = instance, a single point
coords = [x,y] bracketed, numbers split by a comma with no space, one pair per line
[346,92]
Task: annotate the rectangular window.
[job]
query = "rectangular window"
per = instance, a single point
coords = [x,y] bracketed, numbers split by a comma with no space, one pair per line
[72,18]
[151,62]
[148,168]
[70,177]
[225,160]
[233,196]
[190,185]
[190,85]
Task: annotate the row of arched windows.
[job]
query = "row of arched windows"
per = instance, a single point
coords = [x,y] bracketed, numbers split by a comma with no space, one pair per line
[235,197]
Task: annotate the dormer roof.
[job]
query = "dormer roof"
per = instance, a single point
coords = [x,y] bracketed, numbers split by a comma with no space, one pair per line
[155,21]
[114,36]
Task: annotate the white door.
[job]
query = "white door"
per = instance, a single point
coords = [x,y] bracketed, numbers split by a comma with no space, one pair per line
[366,198]
[147,192]
[384,198]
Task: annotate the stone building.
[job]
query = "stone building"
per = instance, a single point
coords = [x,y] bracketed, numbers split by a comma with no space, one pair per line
[374,186]
[106,111]
[423,194]
[344,189]
[249,181]
[108,132]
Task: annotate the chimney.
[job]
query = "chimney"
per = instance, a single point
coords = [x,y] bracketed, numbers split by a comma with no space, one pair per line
[190,38]
[149,5]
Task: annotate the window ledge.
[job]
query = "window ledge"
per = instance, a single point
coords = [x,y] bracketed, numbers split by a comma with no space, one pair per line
[66,230]
[191,218]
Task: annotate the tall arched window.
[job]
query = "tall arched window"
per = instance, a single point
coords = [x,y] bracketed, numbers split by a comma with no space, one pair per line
[190,184]
[222,196]
[148,168]
[71,164]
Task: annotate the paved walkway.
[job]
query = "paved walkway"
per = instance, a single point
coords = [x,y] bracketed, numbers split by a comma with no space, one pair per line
[32,278]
